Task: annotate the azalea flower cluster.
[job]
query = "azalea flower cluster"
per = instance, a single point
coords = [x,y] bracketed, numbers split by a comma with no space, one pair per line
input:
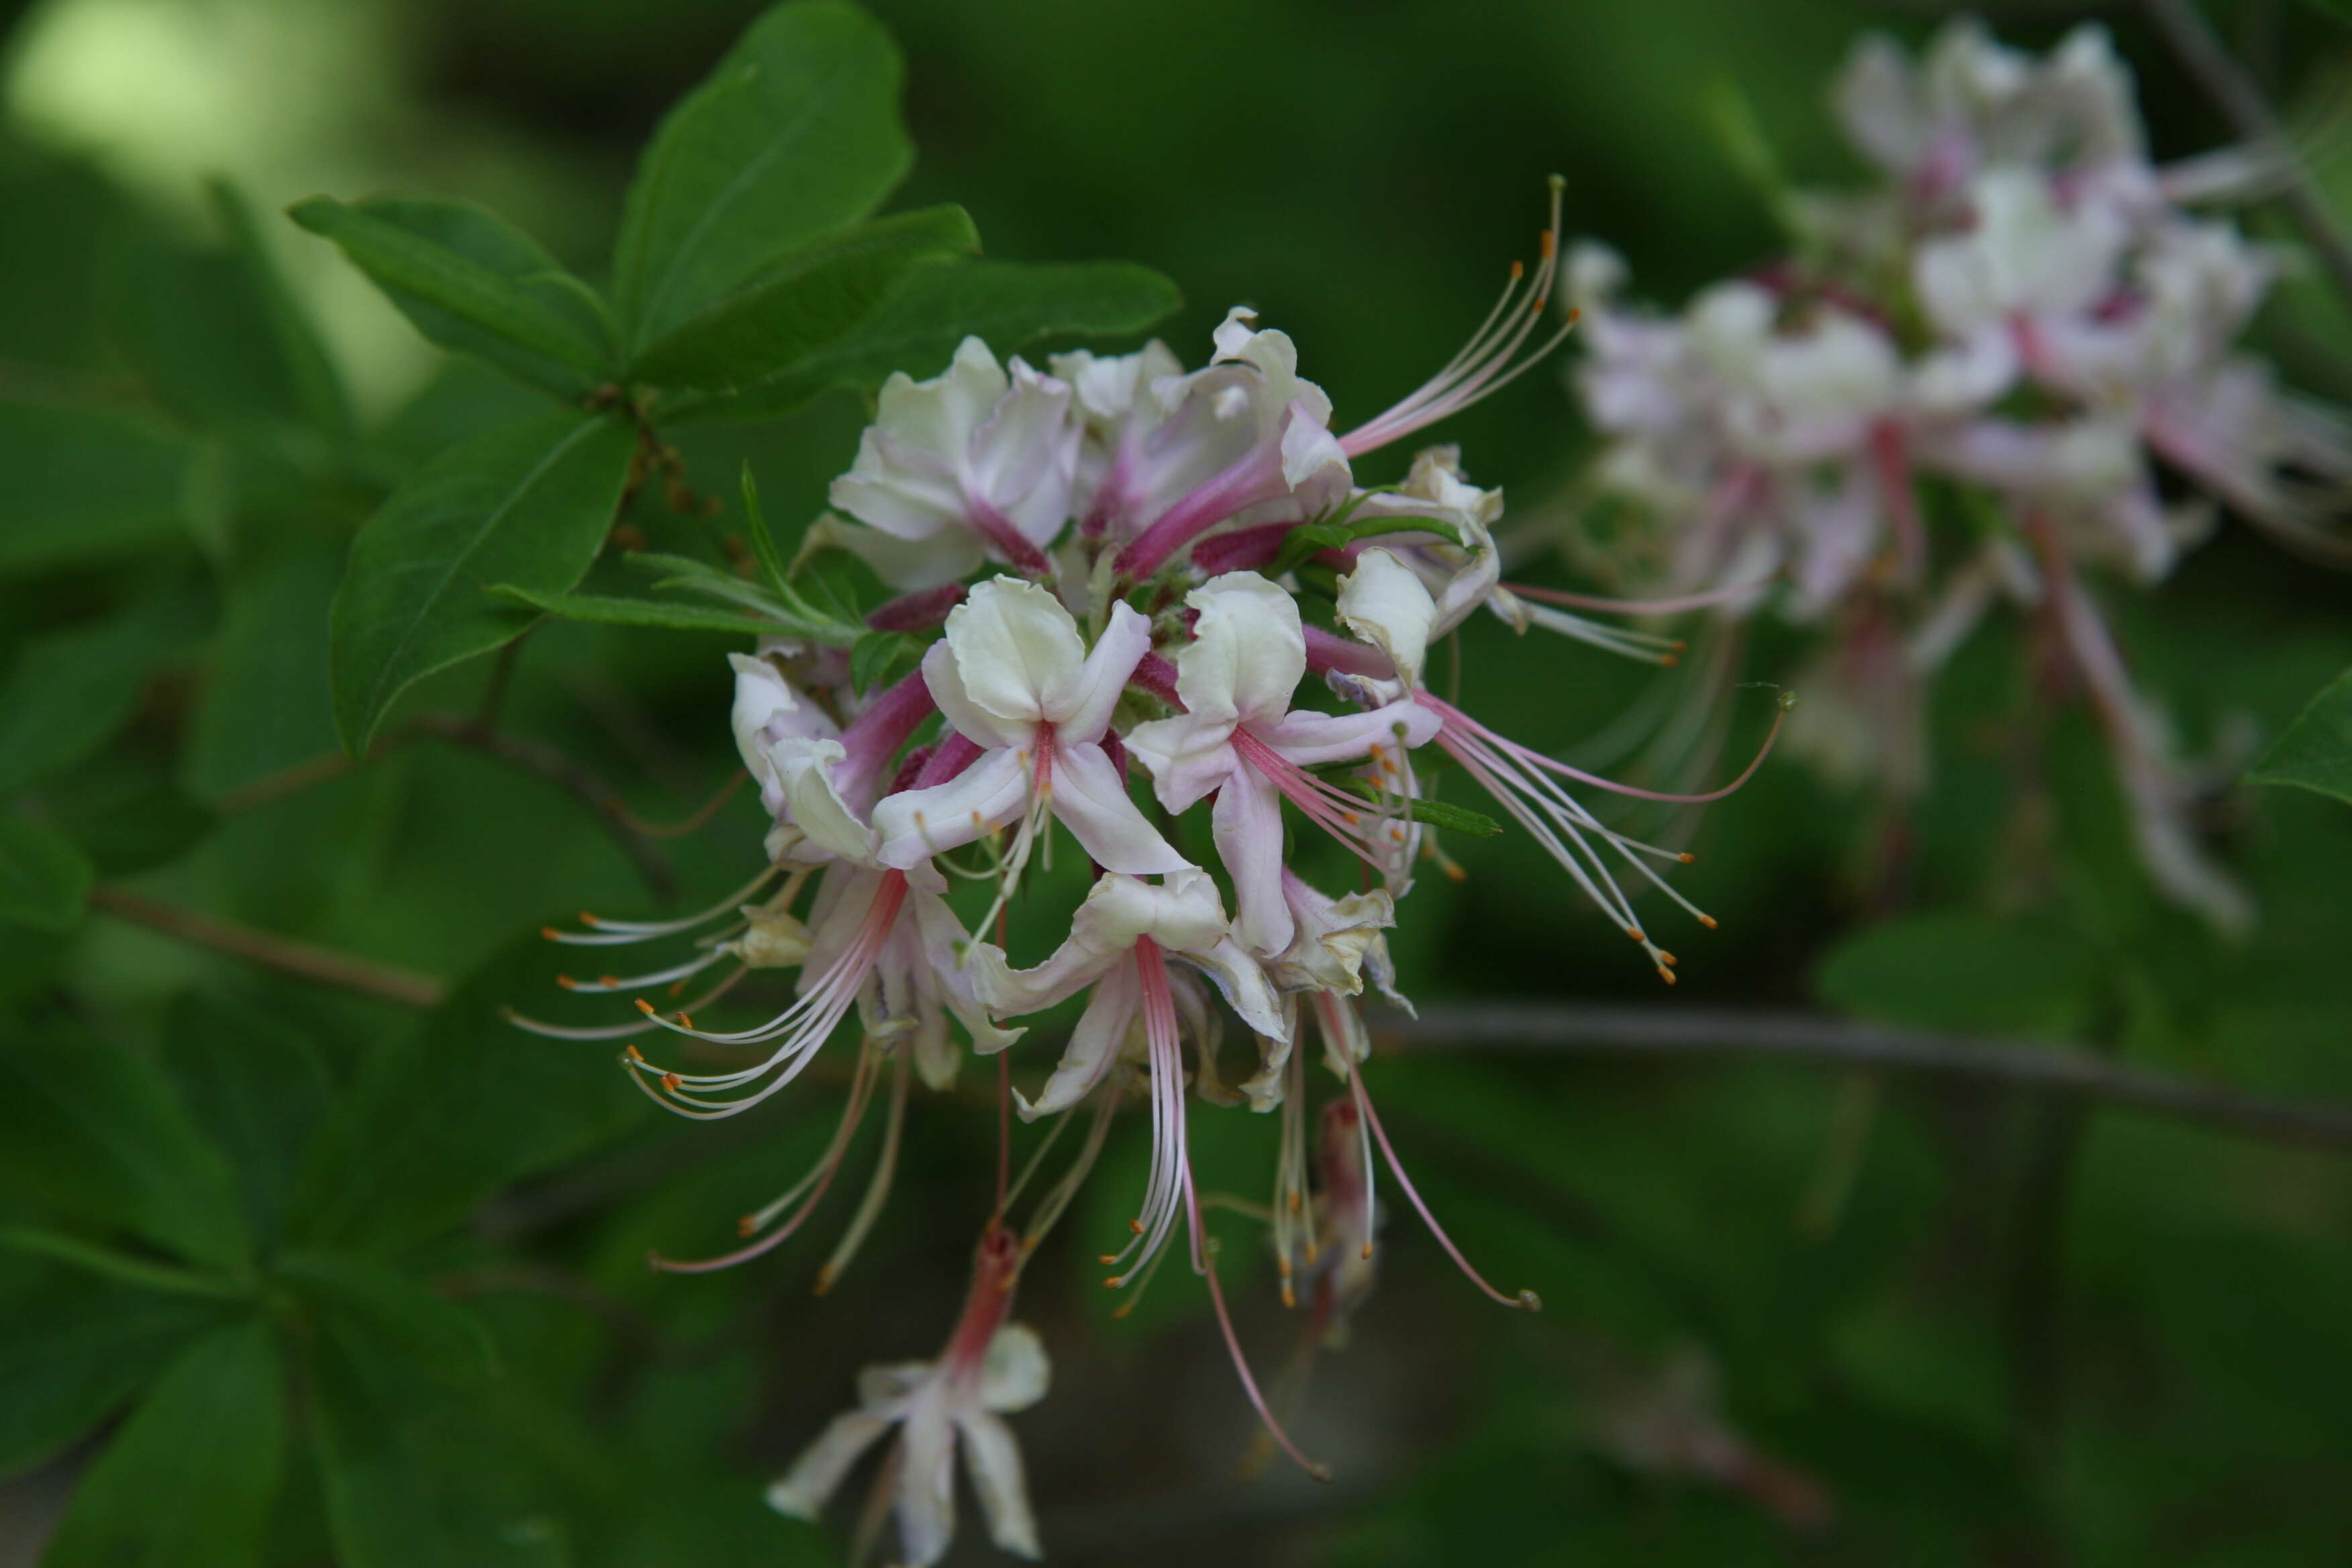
[2023,323]
[1127,574]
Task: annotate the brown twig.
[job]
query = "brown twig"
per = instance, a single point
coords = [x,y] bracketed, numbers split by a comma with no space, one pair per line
[321,965]
[1789,1036]
[538,758]
[534,757]
[2239,98]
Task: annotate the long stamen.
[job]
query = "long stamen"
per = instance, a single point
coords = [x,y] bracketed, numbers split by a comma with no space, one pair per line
[1567,600]
[1526,1300]
[1643,648]
[1206,1263]
[606,934]
[820,1177]
[1489,362]
[1370,831]
[618,1031]
[609,983]
[1170,1169]
[878,1192]
[803,1027]
[1056,1201]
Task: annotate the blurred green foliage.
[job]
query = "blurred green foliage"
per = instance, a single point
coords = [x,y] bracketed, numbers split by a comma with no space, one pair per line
[291,1274]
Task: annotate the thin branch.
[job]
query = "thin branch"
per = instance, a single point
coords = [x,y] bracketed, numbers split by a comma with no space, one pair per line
[1789,1036]
[321,965]
[534,757]
[547,762]
[2239,98]
[270,787]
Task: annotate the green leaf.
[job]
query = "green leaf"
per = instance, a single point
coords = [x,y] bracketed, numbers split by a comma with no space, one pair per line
[1966,972]
[437,1123]
[73,1348]
[122,1268]
[872,656]
[193,325]
[318,388]
[265,703]
[764,548]
[795,307]
[1007,304]
[2316,752]
[528,506]
[612,610]
[128,826]
[795,134]
[44,878]
[2340,10]
[1303,542]
[69,693]
[394,1310]
[80,485]
[472,282]
[256,1086]
[91,1131]
[413,1476]
[190,1478]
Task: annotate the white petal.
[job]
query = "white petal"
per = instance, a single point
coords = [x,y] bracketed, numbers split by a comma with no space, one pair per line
[805,770]
[1090,799]
[1016,650]
[1025,455]
[942,675]
[909,564]
[802,1491]
[1241,979]
[1094,1045]
[947,950]
[1311,738]
[916,824]
[1247,651]
[907,494]
[1247,824]
[1311,455]
[1182,913]
[1186,755]
[926,1502]
[1383,602]
[993,1459]
[1083,712]
[1014,1374]
[939,416]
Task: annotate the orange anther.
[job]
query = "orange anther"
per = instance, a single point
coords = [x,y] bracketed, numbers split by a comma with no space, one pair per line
[567,983]
[672,1082]
[644,1006]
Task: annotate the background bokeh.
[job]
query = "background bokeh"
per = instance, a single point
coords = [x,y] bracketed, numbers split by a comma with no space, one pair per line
[1984,1328]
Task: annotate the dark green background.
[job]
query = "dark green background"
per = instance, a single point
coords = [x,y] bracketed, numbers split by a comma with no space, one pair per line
[2020,1339]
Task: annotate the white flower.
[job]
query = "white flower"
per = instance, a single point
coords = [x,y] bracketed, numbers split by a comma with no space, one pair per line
[967,465]
[1240,737]
[1184,917]
[991,1368]
[1013,676]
